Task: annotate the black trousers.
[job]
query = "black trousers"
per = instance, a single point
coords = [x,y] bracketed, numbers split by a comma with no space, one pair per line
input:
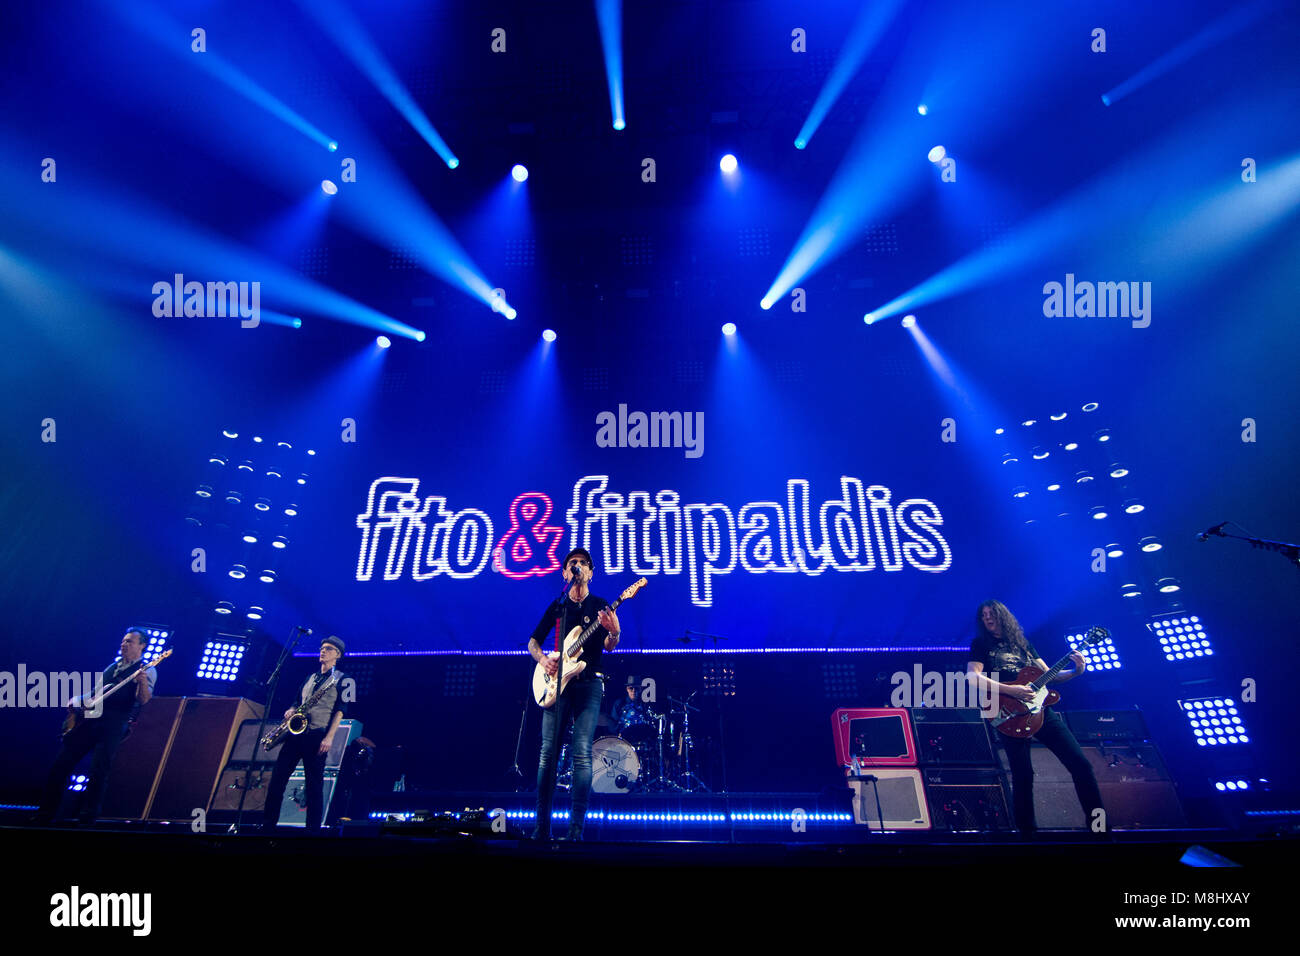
[103,735]
[1056,736]
[304,747]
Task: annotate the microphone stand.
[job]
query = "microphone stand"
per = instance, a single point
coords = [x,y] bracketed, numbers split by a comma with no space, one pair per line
[271,683]
[687,638]
[559,730]
[514,771]
[1285,548]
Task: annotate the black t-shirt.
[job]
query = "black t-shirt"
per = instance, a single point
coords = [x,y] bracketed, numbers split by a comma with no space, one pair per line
[579,615]
[1001,656]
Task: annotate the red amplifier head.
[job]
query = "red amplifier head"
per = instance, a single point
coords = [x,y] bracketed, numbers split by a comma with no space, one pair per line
[867,737]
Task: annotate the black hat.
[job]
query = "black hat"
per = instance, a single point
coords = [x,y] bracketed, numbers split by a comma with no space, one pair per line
[336,641]
[582,551]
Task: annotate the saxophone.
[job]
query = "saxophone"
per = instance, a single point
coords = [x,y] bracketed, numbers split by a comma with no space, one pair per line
[296,722]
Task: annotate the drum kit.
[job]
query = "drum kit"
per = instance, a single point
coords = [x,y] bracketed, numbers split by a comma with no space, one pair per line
[646,752]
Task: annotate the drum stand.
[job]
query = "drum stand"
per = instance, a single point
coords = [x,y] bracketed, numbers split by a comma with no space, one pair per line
[660,783]
[564,770]
[689,781]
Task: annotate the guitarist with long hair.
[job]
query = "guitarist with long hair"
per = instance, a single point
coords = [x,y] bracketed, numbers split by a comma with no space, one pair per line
[998,653]
[102,733]
[581,700]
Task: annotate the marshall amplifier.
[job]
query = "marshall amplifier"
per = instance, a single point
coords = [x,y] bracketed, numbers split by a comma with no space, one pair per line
[952,737]
[1091,726]
[1135,788]
[966,799]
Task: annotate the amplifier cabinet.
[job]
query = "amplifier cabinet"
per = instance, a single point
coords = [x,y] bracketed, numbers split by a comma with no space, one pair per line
[901,800]
[871,737]
[952,737]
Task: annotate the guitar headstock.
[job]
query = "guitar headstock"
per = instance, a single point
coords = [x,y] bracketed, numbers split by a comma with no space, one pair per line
[161,657]
[631,590]
[1095,635]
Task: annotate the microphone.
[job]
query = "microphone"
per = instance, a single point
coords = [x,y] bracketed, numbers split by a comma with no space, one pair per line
[303,630]
[1205,535]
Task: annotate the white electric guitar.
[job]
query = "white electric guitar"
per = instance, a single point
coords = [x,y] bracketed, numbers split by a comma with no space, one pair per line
[547,688]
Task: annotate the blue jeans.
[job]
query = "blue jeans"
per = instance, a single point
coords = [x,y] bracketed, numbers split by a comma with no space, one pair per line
[581,701]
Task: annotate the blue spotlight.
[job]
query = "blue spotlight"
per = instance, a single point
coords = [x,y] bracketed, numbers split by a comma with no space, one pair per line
[765,303]
[1105,99]
[520,173]
[548,335]
[383,341]
[728,164]
[609,17]
[453,163]
[729,328]
[861,39]
[510,313]
[937,154]
[333,145]
[909,321]
[869,318]
[923,109]
[328,188]
[419,336]
[297,323]
[346,31]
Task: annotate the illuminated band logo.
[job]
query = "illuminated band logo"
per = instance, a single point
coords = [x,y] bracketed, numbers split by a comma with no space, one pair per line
[647,533]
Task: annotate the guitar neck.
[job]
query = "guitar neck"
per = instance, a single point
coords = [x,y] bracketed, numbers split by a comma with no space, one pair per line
[591,628]
[1049,675]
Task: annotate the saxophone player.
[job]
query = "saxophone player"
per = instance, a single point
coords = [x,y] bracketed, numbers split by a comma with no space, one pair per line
[314,743]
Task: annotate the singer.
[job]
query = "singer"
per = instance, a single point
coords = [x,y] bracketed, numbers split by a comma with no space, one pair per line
[581,701]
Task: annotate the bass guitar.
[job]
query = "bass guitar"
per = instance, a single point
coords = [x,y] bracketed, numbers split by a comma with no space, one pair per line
[1024,718]
[77,714]
[547,688]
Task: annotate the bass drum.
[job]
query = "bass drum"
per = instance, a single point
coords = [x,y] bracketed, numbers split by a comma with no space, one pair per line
[615,767]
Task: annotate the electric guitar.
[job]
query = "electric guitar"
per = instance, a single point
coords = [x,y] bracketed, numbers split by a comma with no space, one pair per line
[1021,718]
[547,688]
[76,715]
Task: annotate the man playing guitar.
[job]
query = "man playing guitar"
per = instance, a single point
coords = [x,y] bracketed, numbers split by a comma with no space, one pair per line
[1000,649]
[103,733]
[581,700]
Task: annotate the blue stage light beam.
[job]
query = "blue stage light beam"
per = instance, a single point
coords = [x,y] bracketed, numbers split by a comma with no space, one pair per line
[1179,240]
[872,21]
[609,15]
[351,37]
[885,165]
[1217,32]
[157,244]
[165,32]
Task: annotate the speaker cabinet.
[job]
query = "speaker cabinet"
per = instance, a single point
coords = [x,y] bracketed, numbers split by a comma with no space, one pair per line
[293,809]
[202,740]
[952,737]
[139,760]
[1135,788]
[901,800]
[233,780]
[966,799]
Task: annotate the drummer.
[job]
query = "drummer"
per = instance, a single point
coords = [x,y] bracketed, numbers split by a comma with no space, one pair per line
[628,710]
